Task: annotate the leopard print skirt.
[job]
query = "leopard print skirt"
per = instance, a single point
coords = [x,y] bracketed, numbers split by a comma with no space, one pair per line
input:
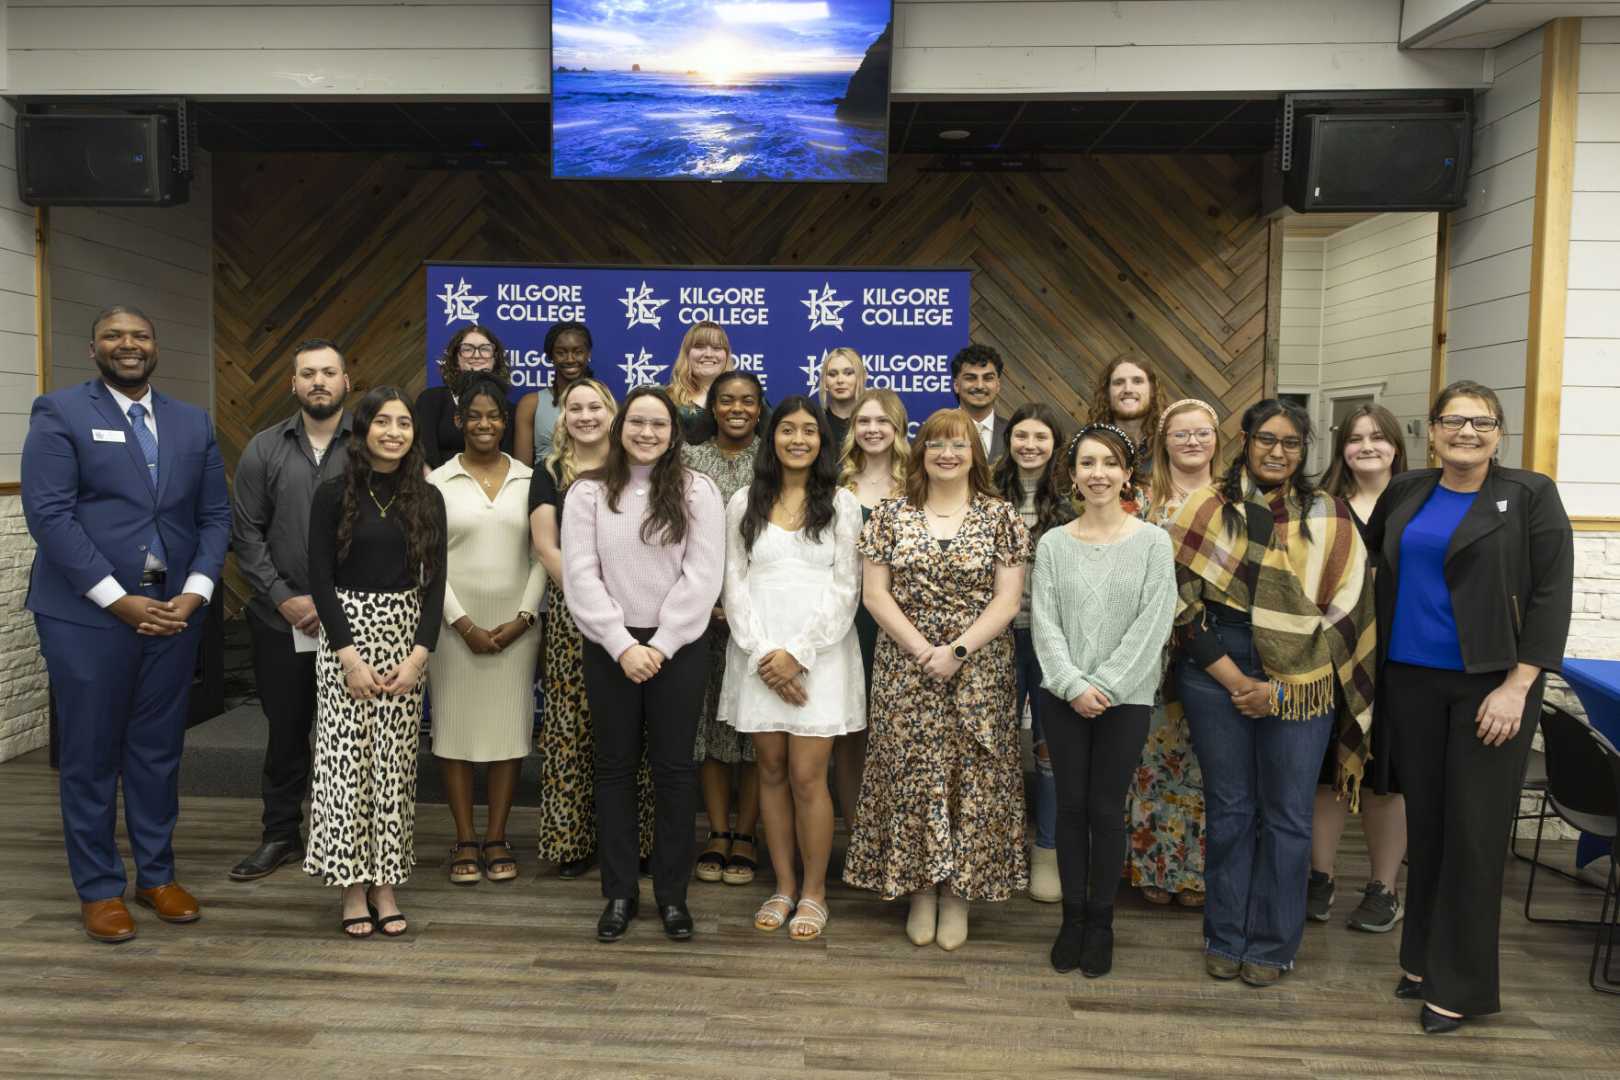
[567,771]
[363,798]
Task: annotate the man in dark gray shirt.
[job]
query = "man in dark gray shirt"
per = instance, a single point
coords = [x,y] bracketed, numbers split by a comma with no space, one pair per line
[275,485]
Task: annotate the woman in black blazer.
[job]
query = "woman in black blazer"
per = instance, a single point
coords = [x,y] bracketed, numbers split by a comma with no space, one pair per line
[1474,591]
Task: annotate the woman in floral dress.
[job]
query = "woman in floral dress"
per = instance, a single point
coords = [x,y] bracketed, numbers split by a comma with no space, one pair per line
[941,815]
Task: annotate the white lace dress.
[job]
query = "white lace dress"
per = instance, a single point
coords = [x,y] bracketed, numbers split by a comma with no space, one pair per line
[790,593]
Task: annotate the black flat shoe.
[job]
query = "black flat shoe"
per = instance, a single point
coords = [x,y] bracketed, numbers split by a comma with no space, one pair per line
[615,919]
[575,868]
[1409,989]
[263,862]
[1438,1023]
[677,921]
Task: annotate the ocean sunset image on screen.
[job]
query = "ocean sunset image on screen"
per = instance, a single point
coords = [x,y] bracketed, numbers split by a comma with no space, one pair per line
[720,89]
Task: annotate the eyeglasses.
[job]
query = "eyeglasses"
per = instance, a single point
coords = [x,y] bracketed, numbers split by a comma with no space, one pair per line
[1482,424]
[643,423]
[1203,434]
[476,350]
[940,445]
[1291,444]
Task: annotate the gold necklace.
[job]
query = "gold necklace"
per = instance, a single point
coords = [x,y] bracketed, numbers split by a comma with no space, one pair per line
[382,510]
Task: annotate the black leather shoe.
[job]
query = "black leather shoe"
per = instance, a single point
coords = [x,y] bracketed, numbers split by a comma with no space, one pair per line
[263,862]
[677,921]
[1438,1023]
[574,868]
[1409,989]
[615,919]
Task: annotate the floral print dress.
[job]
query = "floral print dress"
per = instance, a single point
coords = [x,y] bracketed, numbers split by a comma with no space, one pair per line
[943,796]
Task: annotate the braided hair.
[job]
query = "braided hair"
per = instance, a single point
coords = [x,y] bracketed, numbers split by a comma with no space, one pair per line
[1231,485]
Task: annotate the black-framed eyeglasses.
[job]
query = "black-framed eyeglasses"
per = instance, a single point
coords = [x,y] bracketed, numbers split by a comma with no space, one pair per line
[1291,444]
[1482,424]
[477,350]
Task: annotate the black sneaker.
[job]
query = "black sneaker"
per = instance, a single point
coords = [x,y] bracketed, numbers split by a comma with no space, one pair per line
[1378,911]
[1319,897]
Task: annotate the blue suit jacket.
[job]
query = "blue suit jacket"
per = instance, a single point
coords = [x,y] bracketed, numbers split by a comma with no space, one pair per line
[92,510]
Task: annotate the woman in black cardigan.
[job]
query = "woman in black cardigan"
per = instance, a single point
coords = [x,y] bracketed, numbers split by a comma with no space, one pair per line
[1474,590]
[473,348]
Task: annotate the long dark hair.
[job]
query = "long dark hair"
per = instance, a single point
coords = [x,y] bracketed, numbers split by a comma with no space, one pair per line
[734,375]
[414,496]
[819,487]
[1232,483]
[450,360]
[1338,479]
[667,516]
[1051,501]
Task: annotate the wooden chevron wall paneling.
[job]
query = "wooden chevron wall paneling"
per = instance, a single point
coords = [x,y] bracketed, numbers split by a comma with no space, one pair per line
[1163,256]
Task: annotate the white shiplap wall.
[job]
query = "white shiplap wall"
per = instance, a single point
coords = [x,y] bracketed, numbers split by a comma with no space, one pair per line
[159,260]
[1489,308]
[1589,443]
[17,335]
[501,47]
[1299,331]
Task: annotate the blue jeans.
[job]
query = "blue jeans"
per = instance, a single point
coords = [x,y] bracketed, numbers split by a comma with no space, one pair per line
[1027,670]
[1259,793]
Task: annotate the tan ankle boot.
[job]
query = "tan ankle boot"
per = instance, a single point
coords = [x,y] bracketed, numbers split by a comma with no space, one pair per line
[1044,884]
[953,921]
[920,924]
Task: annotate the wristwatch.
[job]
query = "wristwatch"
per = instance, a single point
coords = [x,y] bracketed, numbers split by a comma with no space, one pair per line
[960,651]
[527,616]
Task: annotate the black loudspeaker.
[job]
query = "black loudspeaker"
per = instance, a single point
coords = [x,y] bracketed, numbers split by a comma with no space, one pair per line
[79,159]
[1376,162]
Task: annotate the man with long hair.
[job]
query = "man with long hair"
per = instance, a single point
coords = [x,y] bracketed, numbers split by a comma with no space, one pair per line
[1127,396]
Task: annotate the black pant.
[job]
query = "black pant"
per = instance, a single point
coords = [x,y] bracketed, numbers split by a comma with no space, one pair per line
[1092,762]
[287,692]
[1461,798]
[663,711]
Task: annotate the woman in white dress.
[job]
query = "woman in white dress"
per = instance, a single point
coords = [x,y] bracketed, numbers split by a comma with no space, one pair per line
[793,668]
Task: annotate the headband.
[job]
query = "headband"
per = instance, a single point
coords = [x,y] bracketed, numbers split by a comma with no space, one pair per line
[1091,429]
[1164,417]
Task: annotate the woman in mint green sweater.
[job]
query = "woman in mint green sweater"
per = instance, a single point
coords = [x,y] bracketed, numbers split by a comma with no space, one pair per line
[1101,603]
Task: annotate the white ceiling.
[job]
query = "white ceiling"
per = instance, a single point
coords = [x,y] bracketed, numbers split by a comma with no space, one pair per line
[1484,24]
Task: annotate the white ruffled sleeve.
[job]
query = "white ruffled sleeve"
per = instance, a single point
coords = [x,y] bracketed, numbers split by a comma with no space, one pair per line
[746,632]
[836,606]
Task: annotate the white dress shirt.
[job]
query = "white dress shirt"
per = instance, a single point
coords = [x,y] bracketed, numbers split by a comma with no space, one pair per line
[107,591]
[987,434]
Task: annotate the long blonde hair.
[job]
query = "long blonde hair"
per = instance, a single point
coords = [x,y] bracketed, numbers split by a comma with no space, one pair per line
[843,352]
[852,459]
[560,457]
[1163,492]
[683,387]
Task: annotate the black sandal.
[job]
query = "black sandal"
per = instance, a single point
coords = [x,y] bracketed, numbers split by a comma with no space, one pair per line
[383,923]
[740,869]
[712,864]
[359,920]
[465,871]
[499,867]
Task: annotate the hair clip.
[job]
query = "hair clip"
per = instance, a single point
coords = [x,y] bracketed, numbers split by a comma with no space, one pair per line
[1130,446]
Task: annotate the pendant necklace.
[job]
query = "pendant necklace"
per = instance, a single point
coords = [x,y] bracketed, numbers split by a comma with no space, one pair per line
[382,508]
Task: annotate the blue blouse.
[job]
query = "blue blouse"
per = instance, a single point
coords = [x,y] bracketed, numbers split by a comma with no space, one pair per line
[1425,630]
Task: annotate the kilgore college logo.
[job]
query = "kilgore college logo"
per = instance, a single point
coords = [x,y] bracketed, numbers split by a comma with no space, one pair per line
[460,304]
[825,308]
[641,307]
[639,370]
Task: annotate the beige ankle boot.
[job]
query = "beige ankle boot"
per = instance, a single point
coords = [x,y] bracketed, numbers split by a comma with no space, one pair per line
[1044,884]
[953,921]
[920,924]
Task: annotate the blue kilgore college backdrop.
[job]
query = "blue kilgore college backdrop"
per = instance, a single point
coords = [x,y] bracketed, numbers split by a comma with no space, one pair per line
[782,323]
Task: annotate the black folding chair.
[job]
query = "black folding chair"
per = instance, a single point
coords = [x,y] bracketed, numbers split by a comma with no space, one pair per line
[1583,788]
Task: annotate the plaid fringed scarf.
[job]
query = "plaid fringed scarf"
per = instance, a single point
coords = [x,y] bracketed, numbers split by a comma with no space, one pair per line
[1311,601]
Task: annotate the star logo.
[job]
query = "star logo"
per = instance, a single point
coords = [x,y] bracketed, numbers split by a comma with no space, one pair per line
[825,308]
[460,303]
[812,370]
[638,371]
[641,309]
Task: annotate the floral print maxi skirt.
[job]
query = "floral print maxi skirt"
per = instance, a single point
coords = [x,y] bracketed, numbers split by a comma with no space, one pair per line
[362,813]
[1165,809]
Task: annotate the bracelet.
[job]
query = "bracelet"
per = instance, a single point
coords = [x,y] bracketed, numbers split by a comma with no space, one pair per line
[351,669]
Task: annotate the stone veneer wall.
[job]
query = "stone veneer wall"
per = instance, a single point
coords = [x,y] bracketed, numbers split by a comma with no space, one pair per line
[24,697]
[1594,629]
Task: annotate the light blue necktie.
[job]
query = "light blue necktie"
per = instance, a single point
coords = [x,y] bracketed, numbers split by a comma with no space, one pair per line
[149,449]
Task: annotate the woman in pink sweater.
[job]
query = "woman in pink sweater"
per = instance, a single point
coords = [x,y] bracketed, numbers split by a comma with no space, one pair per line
[643,549]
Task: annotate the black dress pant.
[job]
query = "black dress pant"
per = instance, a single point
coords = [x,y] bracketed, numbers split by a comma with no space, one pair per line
[1461,798]
[663,712]
[1092,764]
[287,692]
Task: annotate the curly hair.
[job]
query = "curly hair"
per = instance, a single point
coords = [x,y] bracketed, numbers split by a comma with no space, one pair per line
[416,497]
[977,355]
[1338,479]
[1231,486]
[852,459]
[1102,406]
[450,359]
[560,458]
[948,424]
[667,516]
[819,488]
[1051,503]
[683,386]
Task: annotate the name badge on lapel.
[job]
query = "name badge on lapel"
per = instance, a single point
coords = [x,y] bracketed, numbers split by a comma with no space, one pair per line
[1501,506]
[106,435]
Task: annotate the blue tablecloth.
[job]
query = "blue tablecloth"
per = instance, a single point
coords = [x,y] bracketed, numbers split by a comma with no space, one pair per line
[1597,684]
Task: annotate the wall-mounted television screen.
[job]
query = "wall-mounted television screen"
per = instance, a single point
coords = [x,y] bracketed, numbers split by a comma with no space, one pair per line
[720,89]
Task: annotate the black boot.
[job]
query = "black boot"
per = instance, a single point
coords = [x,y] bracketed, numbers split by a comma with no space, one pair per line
[1066,950]
[1097,954]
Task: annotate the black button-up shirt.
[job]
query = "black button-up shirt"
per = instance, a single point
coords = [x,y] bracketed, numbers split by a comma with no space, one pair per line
[276,481]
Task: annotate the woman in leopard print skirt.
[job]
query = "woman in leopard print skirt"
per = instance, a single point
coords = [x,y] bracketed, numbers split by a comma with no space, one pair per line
[376,574]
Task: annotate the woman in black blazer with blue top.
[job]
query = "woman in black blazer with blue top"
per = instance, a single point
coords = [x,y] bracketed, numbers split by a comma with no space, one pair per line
[1476,572]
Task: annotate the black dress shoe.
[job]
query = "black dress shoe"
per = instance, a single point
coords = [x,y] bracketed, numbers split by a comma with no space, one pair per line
[574,868]
[263,862]
[677,921]
[1409,989]
[1438,1023]
[615,919]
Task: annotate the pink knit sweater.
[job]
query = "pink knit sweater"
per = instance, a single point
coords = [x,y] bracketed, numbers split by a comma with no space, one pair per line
[614,580]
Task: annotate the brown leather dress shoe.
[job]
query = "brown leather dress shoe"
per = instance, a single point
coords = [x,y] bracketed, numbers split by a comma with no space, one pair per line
[108,920]
[171,902]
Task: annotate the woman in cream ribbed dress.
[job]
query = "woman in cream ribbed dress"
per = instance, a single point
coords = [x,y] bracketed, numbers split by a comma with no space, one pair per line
[482,676]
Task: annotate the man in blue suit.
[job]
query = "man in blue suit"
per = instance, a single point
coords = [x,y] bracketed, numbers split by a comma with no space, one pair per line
[124,492]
